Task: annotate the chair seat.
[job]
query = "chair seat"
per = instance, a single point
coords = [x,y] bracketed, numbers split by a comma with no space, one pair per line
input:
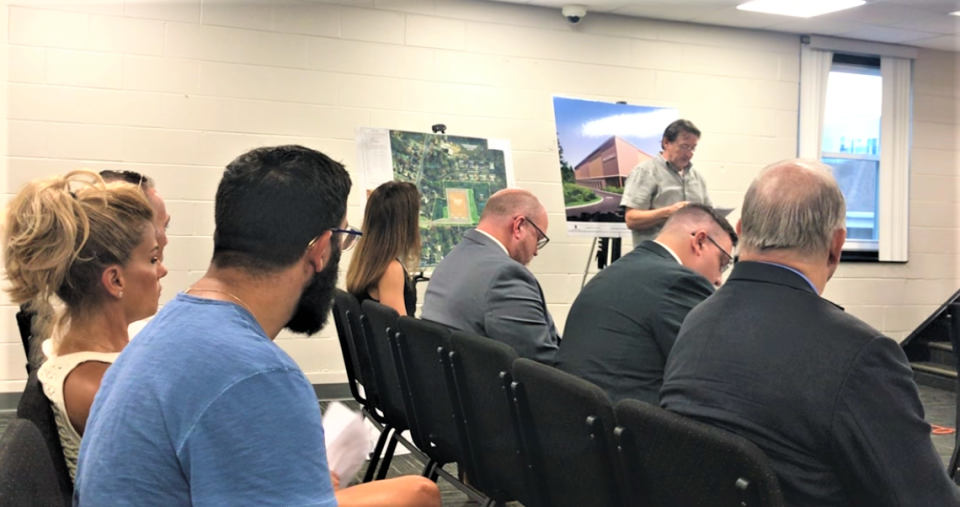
[27,476]
[35,407]
[671,460]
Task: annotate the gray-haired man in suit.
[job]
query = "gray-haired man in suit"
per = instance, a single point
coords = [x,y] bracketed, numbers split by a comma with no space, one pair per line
[830,400]
[483,286]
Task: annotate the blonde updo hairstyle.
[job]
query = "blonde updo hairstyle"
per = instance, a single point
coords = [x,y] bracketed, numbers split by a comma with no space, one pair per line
[59,236]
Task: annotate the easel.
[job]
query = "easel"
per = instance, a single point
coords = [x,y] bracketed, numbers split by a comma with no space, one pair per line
[608,253]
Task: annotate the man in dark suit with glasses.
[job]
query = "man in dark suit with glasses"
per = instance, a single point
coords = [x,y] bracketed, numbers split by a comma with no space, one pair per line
[623,324]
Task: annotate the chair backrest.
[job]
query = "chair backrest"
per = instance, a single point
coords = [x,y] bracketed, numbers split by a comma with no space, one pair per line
[671,460]
[482,377]
[422,346]
[25,325]
[27,476]
[566,425]
[343,304]
[955,346]
[35,407]
[381,322]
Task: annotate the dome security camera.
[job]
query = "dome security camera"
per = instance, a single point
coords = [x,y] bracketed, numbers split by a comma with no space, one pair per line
[574,13]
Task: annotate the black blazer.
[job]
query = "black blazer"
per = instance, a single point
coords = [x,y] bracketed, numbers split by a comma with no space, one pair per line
[622,326]
[830,400]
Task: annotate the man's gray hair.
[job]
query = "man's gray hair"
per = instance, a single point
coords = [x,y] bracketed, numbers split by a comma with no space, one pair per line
[792,205]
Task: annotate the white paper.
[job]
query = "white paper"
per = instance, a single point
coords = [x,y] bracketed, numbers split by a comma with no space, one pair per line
[598,229]
[374,157]
[348,443]
[504,146]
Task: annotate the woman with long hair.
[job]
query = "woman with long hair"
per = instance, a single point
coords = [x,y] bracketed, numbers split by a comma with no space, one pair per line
[389,248]
[84,255]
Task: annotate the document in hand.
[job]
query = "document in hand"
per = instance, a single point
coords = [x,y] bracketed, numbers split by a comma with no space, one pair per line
[348,442]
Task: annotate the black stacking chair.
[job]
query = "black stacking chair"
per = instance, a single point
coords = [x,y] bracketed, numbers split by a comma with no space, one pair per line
[669,460]
[955,343]
[420,347]
[566,424]
[345,306]
[27,477]
[430,399]
[35,408]
[380,324]
[348,318]
[24,325]
[481,371]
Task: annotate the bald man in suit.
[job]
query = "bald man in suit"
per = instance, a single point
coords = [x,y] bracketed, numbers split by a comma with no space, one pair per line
[483,285]
[830,400]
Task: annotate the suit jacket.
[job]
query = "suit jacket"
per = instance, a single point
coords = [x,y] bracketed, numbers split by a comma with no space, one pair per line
[479,289]
[830,400]
[622,326]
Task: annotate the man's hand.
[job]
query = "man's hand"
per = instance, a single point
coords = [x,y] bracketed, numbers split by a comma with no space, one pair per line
[676,207]
[335,479]
[639,220]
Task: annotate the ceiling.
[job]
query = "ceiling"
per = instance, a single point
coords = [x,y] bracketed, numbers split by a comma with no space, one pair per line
[921,23]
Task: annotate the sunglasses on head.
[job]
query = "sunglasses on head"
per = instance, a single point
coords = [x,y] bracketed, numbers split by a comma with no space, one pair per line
[126,176]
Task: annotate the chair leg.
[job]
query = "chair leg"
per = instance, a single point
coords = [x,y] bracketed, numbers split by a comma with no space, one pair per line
[952,466]
[387,458]
[428,470]
[375,456]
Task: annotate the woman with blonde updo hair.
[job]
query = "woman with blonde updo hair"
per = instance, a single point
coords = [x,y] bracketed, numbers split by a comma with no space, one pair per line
[90,250]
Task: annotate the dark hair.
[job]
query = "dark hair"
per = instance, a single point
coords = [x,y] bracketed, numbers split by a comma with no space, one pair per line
[272,202]
[674,129]
[391,231]
[702,209]
[140,180]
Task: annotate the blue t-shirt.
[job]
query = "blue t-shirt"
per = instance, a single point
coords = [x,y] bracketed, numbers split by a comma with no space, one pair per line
[202,408]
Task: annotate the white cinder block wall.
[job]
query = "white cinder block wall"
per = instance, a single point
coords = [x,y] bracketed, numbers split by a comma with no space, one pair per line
[177,88]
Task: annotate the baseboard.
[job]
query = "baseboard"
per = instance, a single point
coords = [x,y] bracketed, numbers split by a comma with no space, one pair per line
[333,391]
[9,401]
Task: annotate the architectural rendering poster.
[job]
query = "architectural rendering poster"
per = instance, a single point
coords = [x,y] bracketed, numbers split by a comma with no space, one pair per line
[600,144]
[455,175]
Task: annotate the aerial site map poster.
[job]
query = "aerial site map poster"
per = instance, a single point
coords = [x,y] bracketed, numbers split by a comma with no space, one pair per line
[456,175]
[600,143]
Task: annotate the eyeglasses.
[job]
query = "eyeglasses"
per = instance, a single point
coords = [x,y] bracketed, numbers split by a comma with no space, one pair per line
[127,176]
[726,265]
[347,241]
[542,238]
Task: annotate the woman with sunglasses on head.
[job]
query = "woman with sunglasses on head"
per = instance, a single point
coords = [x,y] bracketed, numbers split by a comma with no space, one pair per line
[90,250]
[389,248]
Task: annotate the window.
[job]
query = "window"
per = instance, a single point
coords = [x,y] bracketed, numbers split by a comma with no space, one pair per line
[851,143]
[855,117]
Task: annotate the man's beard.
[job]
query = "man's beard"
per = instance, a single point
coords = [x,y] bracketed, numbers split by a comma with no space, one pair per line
[315,302]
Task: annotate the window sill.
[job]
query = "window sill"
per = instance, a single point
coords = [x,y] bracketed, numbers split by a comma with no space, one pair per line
[865,256]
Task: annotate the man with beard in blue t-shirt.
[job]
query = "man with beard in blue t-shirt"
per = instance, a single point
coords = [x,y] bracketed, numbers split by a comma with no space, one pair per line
[203,408]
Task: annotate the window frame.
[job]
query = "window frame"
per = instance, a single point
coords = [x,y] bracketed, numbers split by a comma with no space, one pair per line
[896,122]
[852,64]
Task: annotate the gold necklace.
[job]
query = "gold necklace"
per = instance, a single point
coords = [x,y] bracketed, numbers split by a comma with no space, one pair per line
[244,305]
